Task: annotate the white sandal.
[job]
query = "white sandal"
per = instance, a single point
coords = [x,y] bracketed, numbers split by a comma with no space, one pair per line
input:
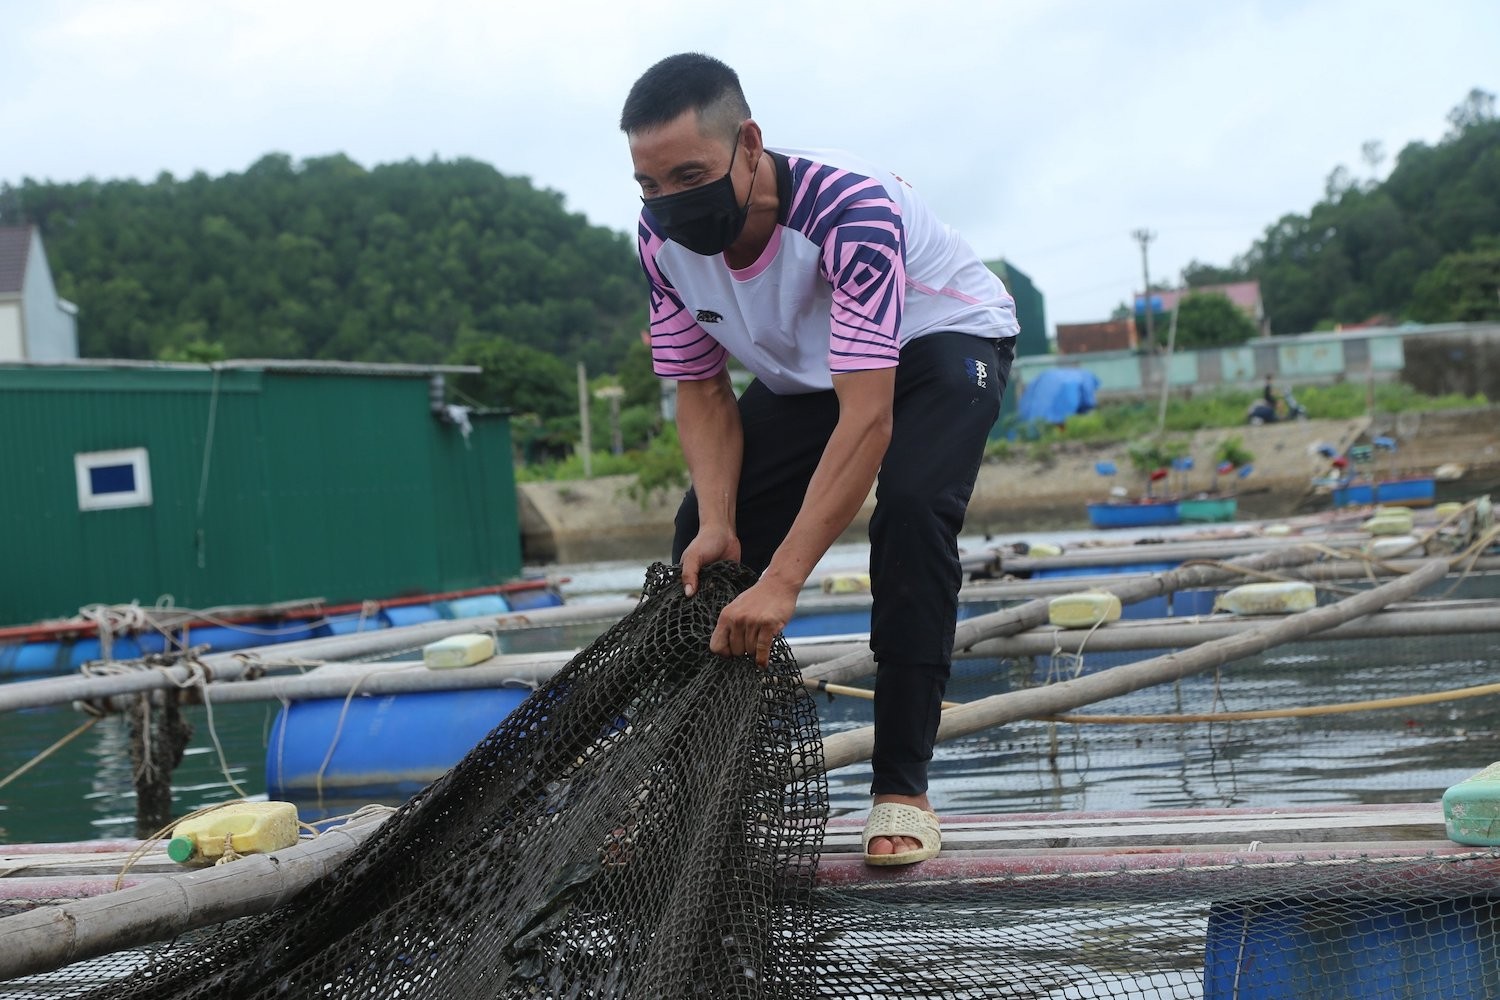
[897,819]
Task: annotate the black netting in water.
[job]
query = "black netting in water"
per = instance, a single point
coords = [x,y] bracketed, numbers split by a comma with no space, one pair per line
[650,825]
[646,825]
[1283,927]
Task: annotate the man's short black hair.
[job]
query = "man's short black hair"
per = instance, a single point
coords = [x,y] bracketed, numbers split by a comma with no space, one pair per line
[678,83]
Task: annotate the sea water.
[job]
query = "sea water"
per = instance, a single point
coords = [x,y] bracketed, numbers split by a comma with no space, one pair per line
[84,790]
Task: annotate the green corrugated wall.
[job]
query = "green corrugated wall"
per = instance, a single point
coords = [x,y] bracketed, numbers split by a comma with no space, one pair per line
[316,485]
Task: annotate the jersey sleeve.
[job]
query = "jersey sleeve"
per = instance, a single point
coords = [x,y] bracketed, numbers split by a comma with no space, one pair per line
[857,226]
[680,348]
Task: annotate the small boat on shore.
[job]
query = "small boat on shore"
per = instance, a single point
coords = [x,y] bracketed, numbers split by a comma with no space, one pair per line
[1207,508]
[1146,512]
[1156,512]
[1412,491]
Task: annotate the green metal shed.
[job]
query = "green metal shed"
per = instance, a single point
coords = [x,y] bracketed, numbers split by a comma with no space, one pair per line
[244,482]
[1031,313]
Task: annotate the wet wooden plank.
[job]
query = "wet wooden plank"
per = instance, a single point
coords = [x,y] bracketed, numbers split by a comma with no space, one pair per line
[1167,828]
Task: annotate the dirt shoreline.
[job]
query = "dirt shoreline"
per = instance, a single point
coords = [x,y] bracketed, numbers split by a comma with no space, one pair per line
[589,520]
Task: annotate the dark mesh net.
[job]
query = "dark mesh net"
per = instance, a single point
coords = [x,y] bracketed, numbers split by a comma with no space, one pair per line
[1272,926]
[646,825]
[649,825]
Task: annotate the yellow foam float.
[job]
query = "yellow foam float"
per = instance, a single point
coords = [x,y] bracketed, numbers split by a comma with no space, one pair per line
[1084,609]
[1278,598]
[458,651]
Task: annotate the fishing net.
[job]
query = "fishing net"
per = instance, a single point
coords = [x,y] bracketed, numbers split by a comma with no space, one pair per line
[646,825]
[651,824]
[1231,926]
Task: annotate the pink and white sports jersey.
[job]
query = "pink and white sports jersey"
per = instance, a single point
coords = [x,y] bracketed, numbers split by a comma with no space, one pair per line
[856,267]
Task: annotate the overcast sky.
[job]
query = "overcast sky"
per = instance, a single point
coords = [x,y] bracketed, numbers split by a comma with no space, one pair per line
[1044,132]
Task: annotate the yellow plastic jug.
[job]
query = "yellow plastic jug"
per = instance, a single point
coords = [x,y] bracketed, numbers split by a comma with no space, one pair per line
[1393,546]
[1084,609]
[1280,598]
[458,651]
[1395,521]
[251,828]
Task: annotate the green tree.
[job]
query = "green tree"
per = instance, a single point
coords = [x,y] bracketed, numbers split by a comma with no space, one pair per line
[1209,319]
[324,259]
[638,379]
[1361,249]
[1477,109]
[197,351]
[515,376]
[1462,287]
[1197,274]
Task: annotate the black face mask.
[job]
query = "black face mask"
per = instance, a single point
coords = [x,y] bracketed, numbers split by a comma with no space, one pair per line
[705,219]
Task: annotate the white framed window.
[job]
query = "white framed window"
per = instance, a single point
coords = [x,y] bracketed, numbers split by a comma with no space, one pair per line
[110,479]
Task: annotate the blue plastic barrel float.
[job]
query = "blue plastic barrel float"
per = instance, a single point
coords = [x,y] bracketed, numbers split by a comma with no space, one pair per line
[477,605]
[1365,949]
[538,597]
[384,748]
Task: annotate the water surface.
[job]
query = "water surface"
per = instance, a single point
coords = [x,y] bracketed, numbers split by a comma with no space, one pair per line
[1412,754]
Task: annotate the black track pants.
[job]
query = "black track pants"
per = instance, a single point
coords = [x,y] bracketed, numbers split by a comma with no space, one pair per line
[947,397]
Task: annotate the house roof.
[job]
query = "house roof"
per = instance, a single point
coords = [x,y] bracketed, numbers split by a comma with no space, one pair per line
[1245,294]
[15,247]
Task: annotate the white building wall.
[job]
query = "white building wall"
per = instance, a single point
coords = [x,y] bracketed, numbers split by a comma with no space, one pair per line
[10,332]
[50,330]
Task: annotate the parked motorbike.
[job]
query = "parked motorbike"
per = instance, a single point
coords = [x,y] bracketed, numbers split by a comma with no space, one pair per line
[1287,408]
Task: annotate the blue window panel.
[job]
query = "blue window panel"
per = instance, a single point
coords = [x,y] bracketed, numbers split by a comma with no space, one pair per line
[107,479]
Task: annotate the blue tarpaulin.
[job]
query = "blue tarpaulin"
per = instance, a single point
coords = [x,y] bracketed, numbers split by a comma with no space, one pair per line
[1058,393]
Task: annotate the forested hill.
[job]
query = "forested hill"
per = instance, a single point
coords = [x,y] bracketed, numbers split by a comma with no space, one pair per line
[452,261]
[1424,244]
[325,259]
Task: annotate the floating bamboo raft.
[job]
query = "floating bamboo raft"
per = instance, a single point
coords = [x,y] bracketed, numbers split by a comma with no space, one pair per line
[91,917]
[1080,843]
[1260,849]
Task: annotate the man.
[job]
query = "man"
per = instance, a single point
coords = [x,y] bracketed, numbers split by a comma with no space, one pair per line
[880,344]
[1263,410]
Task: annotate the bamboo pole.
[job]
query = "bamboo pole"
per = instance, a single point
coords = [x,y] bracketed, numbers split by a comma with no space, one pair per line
[1169,551]
[375,679]
[842,749]
[1455,618]
[532,669]
[1325,571]
[53,936]
[233,666]
[286,656]
[1158,633]
[1024,616]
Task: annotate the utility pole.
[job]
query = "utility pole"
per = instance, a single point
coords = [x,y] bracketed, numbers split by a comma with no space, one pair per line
[613,393]
[1144,237]
[587,444]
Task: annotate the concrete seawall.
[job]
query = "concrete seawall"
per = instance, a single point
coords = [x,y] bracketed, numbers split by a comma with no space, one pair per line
[587,520]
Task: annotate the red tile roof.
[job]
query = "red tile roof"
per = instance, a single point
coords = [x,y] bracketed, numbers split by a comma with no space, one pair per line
[15,248]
